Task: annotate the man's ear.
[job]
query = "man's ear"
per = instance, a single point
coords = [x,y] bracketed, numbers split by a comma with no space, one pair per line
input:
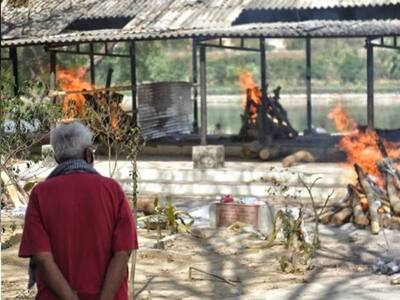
[88,156]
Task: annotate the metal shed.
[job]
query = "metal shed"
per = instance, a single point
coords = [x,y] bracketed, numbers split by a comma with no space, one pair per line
[59,23]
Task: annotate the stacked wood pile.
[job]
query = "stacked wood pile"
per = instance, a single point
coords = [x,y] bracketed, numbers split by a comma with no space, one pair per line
[277,122]
[267,152]
[368,203]
[255,149]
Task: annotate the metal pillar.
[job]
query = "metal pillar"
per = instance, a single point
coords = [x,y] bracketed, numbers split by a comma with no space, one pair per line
[132,54]
[14,61]
[195,90]
[53,74]
[370,84]
[203,95]
[308,84]
[92,70]
[263,125]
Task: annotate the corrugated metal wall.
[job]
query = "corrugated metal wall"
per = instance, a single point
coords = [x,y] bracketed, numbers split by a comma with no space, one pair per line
[165,108]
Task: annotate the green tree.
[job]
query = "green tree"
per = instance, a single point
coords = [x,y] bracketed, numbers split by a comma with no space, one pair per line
[350,66]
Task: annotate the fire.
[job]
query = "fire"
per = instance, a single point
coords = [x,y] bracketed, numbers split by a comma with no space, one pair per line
[253,94]
[360,145]
[73,80]
[246,83]
[74,104]
[343,122]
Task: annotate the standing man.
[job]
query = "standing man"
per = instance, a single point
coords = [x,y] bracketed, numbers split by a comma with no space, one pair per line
[79,230]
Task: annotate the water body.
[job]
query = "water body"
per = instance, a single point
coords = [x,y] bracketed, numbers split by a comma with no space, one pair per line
[226,110]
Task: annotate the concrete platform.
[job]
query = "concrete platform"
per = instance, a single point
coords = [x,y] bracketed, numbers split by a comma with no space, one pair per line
[178,178]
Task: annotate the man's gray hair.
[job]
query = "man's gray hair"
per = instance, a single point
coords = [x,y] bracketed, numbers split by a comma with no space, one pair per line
[70,140]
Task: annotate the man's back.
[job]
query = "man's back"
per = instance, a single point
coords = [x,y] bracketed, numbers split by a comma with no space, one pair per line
[82,219]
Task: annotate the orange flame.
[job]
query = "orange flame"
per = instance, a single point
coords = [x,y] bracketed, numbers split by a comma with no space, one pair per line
[74,104]
[247,83]
[73,80]
[361,146]
[253,94]
[343,122]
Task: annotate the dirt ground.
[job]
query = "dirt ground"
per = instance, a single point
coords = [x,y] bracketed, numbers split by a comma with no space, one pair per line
[243,267]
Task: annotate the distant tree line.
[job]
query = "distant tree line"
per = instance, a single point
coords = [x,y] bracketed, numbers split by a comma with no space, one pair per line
[337,65]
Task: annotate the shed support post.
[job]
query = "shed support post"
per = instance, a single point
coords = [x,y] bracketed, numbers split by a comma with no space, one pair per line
[195,86]
[370,84]
[53,74]
[92,70]
[203,95]
[308,84]
[14,61]
[264,102]
[132,54]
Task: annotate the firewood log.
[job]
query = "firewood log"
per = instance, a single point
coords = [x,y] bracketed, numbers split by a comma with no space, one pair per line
[342,216]
[360,218]
[326,217]
[359,215]
[372,206]
[386,209]
[363,201]
[298,156]
[385,202]
[385,220]
[393,193]
[251,150]
[284,128]
[359,193]
[387,166]
[267,153]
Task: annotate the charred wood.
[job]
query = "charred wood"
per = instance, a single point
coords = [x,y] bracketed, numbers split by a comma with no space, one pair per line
[369,192]
[359,216]
[393,193]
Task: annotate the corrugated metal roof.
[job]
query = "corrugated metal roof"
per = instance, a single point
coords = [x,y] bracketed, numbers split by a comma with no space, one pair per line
[47,21]
[317,29]
[52,17]
[310,4]
[41,17]
[183,14]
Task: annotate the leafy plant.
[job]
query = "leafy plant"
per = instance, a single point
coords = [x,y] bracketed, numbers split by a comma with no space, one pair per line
[317,214]
[110,125]
[168,214]
[299,251]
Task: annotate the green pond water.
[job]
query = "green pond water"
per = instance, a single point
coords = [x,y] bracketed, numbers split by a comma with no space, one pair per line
[226,111]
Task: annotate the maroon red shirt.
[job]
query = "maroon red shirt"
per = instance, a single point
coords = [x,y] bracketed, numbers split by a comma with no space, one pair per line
[82,219]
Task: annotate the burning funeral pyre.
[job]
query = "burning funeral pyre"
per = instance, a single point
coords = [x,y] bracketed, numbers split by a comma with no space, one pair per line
[277,123]
[373,198]
[79,95]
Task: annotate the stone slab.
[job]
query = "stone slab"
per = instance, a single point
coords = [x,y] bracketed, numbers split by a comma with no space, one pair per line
[209,156]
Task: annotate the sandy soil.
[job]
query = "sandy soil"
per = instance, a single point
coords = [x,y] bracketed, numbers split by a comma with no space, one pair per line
[249,271]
